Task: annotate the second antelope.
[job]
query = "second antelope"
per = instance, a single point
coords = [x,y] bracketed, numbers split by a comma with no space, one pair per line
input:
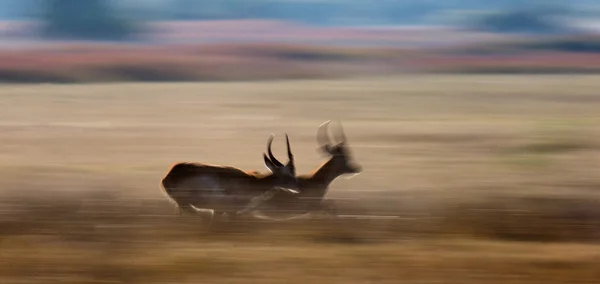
[314,186]
[225,190]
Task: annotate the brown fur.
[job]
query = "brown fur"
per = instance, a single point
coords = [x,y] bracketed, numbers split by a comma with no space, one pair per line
[196,187]
[234,178]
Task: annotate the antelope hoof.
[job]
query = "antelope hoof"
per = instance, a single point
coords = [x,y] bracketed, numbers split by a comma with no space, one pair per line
[329,207]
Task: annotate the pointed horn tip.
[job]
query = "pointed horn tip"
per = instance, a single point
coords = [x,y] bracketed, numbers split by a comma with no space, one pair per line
[270,139]
[325,123]
[289,150]
[270,152]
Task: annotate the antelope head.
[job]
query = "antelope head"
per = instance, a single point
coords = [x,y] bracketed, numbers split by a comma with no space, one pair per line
[284,175]
[341,158]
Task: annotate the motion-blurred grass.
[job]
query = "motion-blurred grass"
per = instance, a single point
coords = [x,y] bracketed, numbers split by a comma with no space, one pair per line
[523,240]
[493,179]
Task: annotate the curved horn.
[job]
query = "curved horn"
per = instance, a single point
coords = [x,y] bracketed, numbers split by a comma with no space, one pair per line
[273,159]
[340,133]
[322,135]
[289,149]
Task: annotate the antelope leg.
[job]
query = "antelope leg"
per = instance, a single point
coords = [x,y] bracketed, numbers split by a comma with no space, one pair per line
[206,212]
[258,200]
[329,207]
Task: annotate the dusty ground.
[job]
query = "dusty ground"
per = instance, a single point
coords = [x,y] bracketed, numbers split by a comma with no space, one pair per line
[494,179]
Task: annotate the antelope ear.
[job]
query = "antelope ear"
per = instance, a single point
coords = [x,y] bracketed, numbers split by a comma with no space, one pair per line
[269,164]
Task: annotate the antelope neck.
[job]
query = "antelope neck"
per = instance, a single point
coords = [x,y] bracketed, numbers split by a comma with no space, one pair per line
[325,174]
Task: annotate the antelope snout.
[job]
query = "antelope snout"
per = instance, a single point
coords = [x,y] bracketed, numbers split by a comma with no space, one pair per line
[355,169]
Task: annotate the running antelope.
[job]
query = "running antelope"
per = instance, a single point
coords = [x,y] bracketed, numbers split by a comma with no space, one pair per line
[225,190]
[314,186]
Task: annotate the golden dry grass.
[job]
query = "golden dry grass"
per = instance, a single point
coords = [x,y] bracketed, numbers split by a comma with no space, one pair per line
[494,179]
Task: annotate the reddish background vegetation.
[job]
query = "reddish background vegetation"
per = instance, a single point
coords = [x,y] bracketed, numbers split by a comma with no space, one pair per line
[194,62]
[257,50]
[263,61]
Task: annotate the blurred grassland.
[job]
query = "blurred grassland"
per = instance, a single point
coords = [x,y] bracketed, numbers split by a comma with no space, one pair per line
[493,179]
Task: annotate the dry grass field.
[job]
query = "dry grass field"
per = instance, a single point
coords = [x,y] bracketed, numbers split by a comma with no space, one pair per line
[493,179]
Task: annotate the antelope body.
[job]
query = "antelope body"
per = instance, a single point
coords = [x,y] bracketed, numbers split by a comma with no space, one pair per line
[224,190]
